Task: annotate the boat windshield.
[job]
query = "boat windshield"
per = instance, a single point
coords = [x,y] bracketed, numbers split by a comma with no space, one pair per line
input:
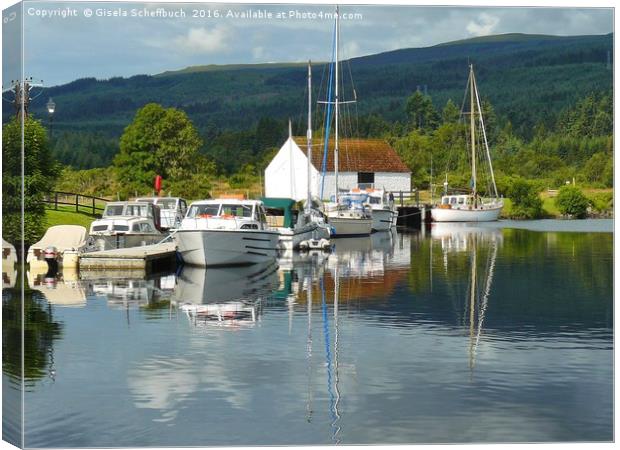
[203,210]
[113,210]
[237,210]
[374,200]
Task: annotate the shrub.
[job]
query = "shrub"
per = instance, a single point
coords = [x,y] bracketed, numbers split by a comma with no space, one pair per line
[571,201]
[526,202]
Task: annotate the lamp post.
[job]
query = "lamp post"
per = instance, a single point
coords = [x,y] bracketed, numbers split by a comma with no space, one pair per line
[51,107]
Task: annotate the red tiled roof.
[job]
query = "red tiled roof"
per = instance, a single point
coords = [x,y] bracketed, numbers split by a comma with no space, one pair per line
[356,155]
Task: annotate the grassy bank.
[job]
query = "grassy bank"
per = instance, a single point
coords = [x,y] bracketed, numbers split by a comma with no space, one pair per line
[66,215]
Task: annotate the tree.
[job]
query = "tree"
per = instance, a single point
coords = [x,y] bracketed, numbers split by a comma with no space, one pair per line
[159,141]
[571,201]
[40,173]
[526,204]
[450,113]
[421,112]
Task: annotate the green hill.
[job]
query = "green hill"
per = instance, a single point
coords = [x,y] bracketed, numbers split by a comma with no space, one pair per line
[528,78]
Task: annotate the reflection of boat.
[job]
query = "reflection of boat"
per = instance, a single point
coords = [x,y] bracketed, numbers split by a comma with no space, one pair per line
[132,291]
[226,232]
[472,207]
[457,237]
[61,289]
[217,285]
[60,246]
[9,260]
[481,245]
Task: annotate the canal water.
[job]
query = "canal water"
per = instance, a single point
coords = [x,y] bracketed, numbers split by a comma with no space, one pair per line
[452,334]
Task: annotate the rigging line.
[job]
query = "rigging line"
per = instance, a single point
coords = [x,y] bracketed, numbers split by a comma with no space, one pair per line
[486,143]
[329,110]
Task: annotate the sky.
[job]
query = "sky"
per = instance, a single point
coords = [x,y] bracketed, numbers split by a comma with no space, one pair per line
[65,41]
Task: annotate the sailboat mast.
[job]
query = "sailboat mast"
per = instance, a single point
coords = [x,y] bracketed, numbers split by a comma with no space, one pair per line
[309,136]
[472,123]
[336,104]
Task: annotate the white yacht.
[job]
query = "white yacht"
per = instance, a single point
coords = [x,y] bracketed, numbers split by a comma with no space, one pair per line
[226,232]
[346,213]
[349,216]
[472,207]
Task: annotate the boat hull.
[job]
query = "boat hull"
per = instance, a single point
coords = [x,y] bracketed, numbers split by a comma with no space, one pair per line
[383,219]
[466,215]
[346,226]
[207,248]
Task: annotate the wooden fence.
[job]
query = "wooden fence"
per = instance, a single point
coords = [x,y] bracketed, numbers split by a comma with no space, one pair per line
[82,203]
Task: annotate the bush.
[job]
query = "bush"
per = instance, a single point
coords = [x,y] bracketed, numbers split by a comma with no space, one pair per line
[571,201]
[525,200]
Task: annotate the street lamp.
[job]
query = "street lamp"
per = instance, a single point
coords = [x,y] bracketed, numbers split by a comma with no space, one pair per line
[51,107]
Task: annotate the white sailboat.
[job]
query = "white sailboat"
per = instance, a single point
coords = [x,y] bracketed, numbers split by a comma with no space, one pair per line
[347,216]
[471,207]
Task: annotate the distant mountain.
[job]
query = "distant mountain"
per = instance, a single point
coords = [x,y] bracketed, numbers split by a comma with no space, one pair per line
[527,78]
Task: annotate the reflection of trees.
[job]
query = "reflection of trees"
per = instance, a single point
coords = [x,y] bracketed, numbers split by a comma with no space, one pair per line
[40,331]
[546,278]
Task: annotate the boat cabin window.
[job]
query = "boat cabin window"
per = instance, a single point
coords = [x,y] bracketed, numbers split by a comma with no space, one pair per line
[183,207]
[113,210]
[453,200]
[203,210]
[120,228]
[374,200]
[143,227]
[168,203]
[445,201]
[461,200]
[137,210]
[100,227]
[237,210]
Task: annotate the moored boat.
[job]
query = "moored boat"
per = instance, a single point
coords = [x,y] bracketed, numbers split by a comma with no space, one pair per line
[294,227]
[226,232]
[472,206]
[126,224]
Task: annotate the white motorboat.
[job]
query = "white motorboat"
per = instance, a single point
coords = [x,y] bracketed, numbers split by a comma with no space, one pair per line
[171,210]
[226,232]
[472,207]
[127,224]
[384,213]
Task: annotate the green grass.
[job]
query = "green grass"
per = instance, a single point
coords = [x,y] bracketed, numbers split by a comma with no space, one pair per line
[67,216]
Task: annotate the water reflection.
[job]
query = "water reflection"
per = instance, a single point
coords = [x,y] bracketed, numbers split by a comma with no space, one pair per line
[452,334]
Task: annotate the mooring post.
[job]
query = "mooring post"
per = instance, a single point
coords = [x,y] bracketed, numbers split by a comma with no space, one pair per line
[93,206]
[77,196]
[401,198]
[56,200]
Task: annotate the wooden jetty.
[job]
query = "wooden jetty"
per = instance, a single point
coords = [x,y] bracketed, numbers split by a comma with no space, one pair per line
[147,258]
[413,216]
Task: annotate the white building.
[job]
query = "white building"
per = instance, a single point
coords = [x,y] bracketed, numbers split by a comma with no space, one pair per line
[360,161]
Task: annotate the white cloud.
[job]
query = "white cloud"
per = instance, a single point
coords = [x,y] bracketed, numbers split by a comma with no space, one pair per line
[203,40]
[483,25]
